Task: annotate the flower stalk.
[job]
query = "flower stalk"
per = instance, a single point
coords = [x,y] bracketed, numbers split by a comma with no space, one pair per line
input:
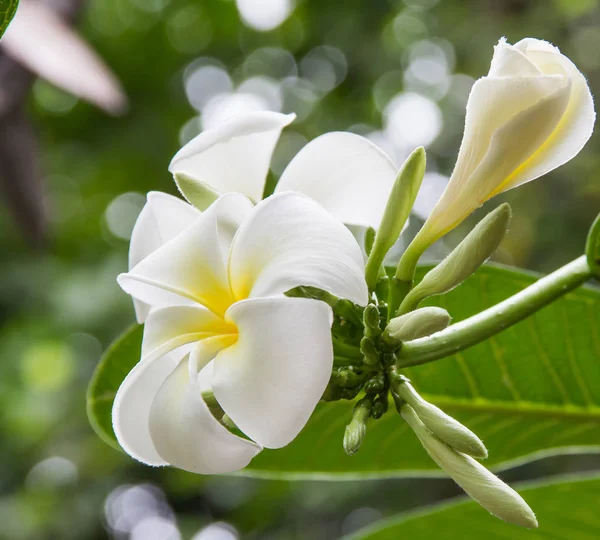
[477,328]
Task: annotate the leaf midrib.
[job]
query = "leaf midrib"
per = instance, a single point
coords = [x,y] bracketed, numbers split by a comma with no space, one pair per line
[520,407]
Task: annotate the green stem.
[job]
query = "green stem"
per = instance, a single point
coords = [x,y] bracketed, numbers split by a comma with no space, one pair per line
[464,334]
[402,282]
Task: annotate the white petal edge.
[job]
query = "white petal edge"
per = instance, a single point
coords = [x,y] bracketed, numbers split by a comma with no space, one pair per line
[346,173]
[131,407]
[290,240]
[235,156]
[272,378]
[577,124]
[192,266]
[186,434]
[162,218]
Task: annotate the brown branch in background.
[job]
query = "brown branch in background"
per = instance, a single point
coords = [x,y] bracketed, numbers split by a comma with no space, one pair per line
[40,42]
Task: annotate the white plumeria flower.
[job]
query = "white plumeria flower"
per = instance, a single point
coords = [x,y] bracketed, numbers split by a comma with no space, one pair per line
[347,174]
[219,319]
[529,115]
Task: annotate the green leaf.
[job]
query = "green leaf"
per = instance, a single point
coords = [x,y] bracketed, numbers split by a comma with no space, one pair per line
[118,360]
[564,507]
[529,391]
[8,8]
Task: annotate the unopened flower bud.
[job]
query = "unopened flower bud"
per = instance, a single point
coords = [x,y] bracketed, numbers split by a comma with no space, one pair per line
[369,351]
[444,427]
[467,257]
[357,428]
[371,317]
[380,407]
[375,384]
[369,239]
[347,377]
[480,484]
[416,324]
[397,210]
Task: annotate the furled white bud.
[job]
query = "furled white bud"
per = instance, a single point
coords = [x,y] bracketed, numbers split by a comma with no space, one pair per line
[444,427]
[533,112]
[416,324]
[479,483]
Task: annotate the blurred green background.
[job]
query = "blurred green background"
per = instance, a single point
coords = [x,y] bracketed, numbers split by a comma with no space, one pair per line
[398,71]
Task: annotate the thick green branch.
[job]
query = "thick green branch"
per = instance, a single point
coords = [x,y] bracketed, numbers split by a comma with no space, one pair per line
[473,330]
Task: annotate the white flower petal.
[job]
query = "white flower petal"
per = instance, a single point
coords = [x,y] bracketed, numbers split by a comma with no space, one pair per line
[348,174]
[131,407]
[171,327]
[235,156]
[577,124]
[510,61]
[193,264]
[271,379]
[290,240]
[162,219]
[184,431]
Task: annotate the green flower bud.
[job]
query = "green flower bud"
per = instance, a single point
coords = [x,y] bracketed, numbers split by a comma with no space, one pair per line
[416,324]
[369,239]
[375,384]
[398,207]
[380,407]
[369,351]
[444,427]
[347,377]
[468,256]
[480,484]
[357,428]
[371,317]
[198,193]
[228,422]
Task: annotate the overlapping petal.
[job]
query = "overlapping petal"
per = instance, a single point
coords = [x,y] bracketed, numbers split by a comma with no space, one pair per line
[192,266]
[235,156]
[184,431]
[171,327]
[290,240]
[271,379]
[162,219]
[346,173]
[577,123]
[131,407]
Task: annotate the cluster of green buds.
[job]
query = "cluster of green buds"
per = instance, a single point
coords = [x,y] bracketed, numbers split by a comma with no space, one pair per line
[367,342]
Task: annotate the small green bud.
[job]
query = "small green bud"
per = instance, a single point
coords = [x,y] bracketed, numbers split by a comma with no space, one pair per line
[369,351]
[416,324]
[357,428]
[400,202]
[198,193]
[375,384]
[347,377]
[369,238]
[380,407]
[444,427]
[467,257]
[479,483]
[371,317]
